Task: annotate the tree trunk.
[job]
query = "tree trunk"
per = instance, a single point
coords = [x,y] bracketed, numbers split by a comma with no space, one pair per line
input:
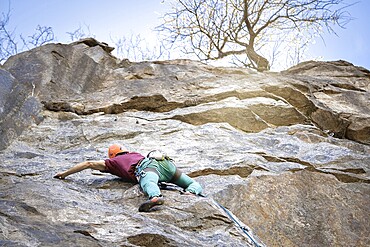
[261,63]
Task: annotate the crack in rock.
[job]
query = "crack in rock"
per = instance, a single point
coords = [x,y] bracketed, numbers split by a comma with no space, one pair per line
[343,175]
[153,103]
[243,172]
[85,233]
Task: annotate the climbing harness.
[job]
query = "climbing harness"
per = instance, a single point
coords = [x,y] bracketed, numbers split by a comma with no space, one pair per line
[142,168]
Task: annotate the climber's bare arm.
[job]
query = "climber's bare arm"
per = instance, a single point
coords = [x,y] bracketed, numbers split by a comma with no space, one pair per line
[95,165]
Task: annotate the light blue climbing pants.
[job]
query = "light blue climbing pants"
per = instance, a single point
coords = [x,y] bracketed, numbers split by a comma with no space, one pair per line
[164,172]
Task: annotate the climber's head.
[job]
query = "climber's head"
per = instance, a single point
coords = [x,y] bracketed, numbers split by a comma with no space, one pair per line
[115,149]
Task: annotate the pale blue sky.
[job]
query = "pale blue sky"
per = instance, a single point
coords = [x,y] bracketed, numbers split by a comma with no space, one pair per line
[118,18]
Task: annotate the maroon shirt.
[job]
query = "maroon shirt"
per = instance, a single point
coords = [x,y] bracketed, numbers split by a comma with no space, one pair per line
[124,165]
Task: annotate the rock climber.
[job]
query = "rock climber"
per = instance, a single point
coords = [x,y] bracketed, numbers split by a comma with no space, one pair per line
[147,171]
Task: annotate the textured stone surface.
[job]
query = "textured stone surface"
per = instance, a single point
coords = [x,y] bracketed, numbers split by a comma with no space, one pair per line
[18,108]
[287,153]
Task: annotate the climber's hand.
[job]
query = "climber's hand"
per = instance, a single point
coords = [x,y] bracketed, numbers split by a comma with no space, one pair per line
[60,175]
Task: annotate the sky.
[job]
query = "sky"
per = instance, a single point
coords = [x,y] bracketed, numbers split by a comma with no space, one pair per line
[110,20]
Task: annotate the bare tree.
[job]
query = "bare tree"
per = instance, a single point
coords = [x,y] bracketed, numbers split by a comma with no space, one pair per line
[80,32]
[9,44]
[136,48]
[42,36]
[215,29]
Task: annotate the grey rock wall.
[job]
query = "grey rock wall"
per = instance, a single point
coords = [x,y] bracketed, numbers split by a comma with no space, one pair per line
[287,153]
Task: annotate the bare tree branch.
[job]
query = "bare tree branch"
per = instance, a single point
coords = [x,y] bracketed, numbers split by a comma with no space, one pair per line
[9,40]
[80,32]
[136,48]
[8,46]
[215,29]
[42,36]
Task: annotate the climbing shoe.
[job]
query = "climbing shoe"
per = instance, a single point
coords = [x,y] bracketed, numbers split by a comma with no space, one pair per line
[154,201]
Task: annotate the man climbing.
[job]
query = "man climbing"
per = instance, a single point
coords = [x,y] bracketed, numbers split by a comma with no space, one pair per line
[147,171]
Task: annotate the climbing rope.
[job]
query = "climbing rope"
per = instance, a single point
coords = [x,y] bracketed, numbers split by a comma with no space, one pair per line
[256,242]
[253,239]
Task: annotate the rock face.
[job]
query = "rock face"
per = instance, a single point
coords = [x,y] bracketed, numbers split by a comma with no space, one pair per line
[287,153]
